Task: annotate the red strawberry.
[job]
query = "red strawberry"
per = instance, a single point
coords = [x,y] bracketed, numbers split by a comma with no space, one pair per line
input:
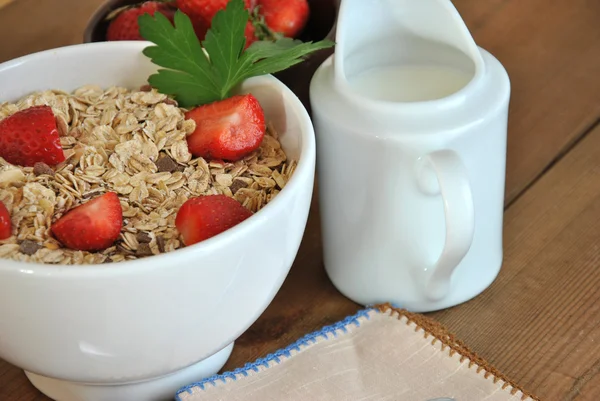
[206,216]
[250,34]
[30,136]
[125,25]
[287,17]
[228,129]
[93,226]
[204,10]
[200,28]
[5,227]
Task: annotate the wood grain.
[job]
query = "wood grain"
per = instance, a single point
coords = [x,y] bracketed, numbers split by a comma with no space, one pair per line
[551,49]
[540,321]
[5,2]
[27,26]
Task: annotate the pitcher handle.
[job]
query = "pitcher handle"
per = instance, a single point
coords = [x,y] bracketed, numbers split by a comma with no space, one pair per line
[443,172]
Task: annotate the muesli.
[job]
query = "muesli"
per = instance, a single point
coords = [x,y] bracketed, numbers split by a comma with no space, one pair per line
[132,143]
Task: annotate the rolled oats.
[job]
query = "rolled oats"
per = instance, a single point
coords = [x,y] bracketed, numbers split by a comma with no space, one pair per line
[132,143]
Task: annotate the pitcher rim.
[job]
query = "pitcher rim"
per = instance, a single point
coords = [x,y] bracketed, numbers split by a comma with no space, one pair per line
[443,102]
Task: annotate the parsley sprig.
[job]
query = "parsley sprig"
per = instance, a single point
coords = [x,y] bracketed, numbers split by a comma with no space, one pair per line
[195,76]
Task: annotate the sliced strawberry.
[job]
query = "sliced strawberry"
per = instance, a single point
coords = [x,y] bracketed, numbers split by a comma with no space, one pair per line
[125,25]
[5,225]
[204,217]
[287,17]
[228,129]
[93,226]
[30,136]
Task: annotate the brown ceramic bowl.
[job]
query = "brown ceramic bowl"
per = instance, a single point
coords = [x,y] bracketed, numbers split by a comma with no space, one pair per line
[321,25]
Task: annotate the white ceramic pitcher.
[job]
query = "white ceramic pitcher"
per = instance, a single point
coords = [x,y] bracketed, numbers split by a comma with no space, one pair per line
[410,117]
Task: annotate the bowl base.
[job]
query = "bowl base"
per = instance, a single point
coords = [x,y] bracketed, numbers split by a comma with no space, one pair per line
[157,389]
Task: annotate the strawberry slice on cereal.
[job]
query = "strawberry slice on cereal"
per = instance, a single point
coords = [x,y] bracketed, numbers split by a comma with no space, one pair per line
[5,225]
[93,226]
[30,136]
[204,217]
[228,129]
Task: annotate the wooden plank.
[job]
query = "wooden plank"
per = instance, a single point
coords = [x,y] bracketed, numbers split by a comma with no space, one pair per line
[551,49]
[539,322]
[587,385]
[27,26]
[5,3]
[15,386]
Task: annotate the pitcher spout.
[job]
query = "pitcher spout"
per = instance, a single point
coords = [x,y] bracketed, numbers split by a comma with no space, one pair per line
[376,33]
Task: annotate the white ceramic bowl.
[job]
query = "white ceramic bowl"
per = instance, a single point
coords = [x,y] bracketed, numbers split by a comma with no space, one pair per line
[141,329]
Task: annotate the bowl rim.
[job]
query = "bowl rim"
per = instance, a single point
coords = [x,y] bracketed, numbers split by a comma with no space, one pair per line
[305,165]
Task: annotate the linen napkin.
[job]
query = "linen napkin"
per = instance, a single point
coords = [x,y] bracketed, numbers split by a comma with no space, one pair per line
[381,353]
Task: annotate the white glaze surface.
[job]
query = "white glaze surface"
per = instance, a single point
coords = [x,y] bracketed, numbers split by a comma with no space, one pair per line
[411,177]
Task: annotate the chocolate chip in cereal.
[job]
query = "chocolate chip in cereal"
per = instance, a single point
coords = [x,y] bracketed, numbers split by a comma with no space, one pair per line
[40,168]
[143,238]
[143,250]
[160,241]
[166,165]
[237,185]
[28,247]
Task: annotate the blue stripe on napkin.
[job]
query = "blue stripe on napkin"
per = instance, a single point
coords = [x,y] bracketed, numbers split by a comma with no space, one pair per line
[283,353]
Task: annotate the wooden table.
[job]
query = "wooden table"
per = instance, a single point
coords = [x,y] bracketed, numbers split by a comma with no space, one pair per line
[539,322]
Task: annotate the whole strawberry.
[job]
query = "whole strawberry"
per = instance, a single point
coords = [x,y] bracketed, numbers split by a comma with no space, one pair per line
[93,226]
[201,218]
[125,25]
[250,33]
[5,224]
[227,129]
[204,10]
[286,17]
[30,136]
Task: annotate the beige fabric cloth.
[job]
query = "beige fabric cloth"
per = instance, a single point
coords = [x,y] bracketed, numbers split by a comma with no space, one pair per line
[391,355]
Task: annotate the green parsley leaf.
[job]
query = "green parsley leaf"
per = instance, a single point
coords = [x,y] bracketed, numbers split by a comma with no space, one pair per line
[225,43]
[189,77]
[197,73]
[272,57]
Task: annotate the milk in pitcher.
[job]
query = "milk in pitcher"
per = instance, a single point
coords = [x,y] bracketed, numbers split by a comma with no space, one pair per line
[409,83]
